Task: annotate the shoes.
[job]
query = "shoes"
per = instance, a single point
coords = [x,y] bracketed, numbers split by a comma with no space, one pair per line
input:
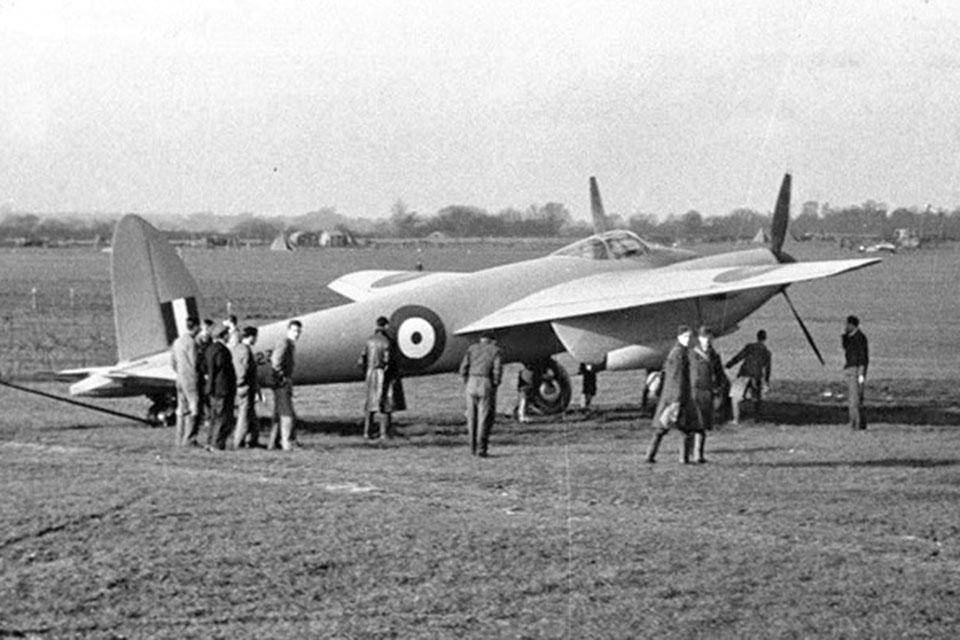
[649,460]
[482,454]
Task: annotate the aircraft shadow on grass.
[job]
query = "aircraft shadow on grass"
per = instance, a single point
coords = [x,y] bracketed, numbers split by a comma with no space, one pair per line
[418,435]
[883,463]
[802,413]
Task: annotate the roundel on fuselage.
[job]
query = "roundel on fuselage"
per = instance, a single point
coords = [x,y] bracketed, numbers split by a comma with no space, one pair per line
[420,337]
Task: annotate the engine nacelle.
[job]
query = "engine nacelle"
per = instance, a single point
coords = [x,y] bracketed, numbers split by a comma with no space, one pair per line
[551,389]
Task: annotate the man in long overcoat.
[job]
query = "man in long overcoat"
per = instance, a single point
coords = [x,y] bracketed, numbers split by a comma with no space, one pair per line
[707,379]
[187,367]
[675,409]
[384,388]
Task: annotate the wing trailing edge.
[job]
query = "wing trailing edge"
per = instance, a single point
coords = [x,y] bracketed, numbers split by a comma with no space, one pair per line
[611,292]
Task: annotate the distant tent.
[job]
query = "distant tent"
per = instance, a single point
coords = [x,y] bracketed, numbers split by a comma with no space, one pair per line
[336,238]
[281,243]
[761,237]
[305,239]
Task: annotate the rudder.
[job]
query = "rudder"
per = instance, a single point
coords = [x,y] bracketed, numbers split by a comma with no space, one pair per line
[153,293]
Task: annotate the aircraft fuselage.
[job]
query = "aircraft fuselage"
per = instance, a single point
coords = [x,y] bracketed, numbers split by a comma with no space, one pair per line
[425,316]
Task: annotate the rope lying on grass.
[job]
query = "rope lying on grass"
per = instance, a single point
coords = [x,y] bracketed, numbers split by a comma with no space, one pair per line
[75,402]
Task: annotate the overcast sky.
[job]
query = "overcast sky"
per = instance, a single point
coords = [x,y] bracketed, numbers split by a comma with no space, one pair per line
[285,107]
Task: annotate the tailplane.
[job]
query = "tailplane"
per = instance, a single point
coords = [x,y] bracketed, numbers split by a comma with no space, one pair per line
[153,293]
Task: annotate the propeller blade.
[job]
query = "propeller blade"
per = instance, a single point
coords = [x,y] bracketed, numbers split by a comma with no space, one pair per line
[796,315]
[596,208]
[781,217]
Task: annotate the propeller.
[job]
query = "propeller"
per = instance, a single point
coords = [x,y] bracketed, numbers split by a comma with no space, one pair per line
[813,345]
[778,233]
[596,208]
[781,218]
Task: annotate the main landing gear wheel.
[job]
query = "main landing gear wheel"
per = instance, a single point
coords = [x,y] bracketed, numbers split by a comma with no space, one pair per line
[552,391]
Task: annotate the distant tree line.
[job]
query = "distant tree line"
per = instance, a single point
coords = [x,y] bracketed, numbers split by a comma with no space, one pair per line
[870,219]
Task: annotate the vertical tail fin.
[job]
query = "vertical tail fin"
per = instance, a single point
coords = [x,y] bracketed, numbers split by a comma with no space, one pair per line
[596,208]
[153,293]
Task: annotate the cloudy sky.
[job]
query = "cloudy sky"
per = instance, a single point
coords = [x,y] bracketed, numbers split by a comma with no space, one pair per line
[285,107]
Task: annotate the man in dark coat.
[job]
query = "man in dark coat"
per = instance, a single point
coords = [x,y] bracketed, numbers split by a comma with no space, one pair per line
[675,409]
[383,384]
[221,389]
[754,374]
[706,380]
[857,358]
[481,370]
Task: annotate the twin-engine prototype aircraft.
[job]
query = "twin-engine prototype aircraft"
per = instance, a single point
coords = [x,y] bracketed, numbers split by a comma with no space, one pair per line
[612,300]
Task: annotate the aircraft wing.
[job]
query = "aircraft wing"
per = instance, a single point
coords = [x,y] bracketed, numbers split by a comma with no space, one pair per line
[606,292]
[362,285]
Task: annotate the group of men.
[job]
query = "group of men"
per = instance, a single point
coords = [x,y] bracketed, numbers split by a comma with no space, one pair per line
[218,385]
[694,380]
[217,382]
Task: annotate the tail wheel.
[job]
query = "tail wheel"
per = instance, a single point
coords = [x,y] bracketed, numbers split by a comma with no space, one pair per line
[552,391]
[163,411]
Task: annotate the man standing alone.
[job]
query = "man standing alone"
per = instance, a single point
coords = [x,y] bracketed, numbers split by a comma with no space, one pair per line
[481,371]
[282,433]
[185,364]
[857,357]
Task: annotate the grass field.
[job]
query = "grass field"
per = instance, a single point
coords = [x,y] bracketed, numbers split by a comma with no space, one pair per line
[789,531]
[797,528]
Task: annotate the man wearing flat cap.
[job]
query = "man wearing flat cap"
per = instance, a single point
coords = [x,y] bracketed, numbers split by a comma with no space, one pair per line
[675,409]
[383,384]
[221,389]
[481,370]
[707,382]
[753,376]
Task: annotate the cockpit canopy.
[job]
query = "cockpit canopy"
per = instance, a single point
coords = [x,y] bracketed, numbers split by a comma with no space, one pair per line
[615,244]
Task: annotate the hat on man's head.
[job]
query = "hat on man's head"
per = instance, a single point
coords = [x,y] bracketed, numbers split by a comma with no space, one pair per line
[682,329]
[705,331]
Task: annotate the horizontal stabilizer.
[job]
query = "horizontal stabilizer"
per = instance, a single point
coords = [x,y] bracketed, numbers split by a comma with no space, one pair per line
[148,374]
[608,292]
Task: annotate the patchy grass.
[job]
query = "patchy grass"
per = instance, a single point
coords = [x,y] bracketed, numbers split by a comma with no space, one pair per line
[789,531]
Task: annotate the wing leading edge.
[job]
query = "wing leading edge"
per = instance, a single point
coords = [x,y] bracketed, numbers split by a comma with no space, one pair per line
[609,292]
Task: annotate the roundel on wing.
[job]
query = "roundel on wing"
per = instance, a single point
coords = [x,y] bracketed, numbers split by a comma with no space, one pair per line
[420,336]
